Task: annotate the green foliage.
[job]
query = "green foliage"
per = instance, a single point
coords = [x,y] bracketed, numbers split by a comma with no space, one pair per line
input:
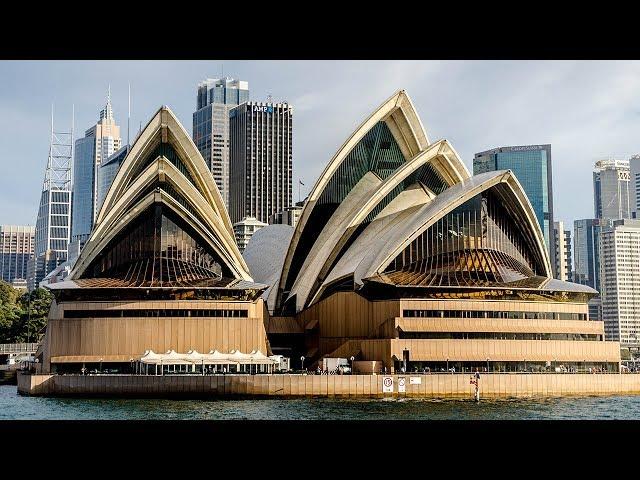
[22,317]
[8,294]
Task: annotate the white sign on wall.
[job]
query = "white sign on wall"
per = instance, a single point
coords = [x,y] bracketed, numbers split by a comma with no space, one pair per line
[387,385]
[401,387]
[415,381]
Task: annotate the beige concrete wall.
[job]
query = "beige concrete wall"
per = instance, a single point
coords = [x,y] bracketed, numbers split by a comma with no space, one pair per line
[130,337]
[505,350]
[430,386]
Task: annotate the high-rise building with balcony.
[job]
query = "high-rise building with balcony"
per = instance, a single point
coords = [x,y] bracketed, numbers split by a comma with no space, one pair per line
[562,257]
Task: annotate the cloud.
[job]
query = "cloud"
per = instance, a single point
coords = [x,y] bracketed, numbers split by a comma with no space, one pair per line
[585,109]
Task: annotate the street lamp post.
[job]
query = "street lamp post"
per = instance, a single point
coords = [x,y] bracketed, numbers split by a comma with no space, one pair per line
[302,360]
[447,364]
[487,365]
[352,359]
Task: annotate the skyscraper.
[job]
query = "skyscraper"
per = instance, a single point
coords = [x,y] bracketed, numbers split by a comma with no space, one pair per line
[611,189]
[107,172]
[261,160]
[16,247]
[586,255]
[620,281]
[216,97]
[531,165]
[562,257]
[634,187]
[54,213]
[99,143]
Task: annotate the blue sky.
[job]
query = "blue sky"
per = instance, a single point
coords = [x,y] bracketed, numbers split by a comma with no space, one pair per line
[587,110]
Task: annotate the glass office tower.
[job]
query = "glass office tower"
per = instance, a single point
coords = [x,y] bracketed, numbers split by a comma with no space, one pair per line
[216,97]
[586,255]
[107,173]
[100,142]
[531,165]
[611,197]
[261,160]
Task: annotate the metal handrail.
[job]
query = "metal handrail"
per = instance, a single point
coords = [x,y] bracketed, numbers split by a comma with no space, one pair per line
[17,347]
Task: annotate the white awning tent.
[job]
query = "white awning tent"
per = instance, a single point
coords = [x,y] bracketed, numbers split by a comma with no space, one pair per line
[214,357]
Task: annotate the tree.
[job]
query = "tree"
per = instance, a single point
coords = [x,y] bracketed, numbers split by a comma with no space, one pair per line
[8,294]
[35,307]
[22,317]
[10,312]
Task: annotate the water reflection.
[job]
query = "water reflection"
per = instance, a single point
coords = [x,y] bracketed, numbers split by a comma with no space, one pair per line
[14,406]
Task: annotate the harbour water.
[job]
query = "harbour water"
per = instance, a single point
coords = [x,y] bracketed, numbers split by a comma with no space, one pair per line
[17,407]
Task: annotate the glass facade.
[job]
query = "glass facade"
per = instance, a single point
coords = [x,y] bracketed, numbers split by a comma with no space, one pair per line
[107,173]
[99,143]
[157,249]
[376,152]
[261,160]
[478,243]
[586,257]
[215,99]
[83,177]
[611,197]
[531,165]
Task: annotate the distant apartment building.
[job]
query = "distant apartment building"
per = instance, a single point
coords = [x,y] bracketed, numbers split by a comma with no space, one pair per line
[562,257]
[620,281]
[100,142]
[611,189]
[531,165]
[17,244]
[261,160]
[288,216]
[215,98]
[244,230]
[586,258]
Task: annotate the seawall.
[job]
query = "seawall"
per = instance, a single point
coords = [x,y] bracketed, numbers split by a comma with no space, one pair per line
[427,386]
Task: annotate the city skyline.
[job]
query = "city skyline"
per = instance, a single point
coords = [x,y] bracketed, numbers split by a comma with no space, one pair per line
[585,110]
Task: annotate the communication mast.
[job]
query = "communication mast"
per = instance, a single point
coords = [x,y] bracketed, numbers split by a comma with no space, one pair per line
[53,222]
[58,175]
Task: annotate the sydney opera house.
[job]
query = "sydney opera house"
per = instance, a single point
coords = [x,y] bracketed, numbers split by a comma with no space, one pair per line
[400,259]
